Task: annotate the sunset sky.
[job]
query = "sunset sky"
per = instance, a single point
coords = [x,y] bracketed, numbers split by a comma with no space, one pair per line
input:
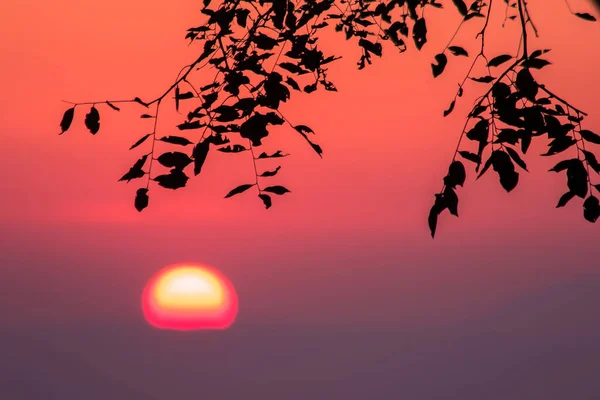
[342,291]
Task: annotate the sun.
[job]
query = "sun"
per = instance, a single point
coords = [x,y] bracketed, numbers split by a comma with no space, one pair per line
[189,297]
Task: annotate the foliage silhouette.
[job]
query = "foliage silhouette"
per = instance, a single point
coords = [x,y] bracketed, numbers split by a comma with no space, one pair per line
[263,51]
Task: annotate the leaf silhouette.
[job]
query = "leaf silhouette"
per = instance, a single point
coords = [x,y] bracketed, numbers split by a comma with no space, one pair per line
[266,199]
[461,6]
[450,109]
[499,60]
[458,51]
[470,156]
[516,158]
[589,136]
[142,140]
[591,209]
[236,148]
[276,189]
[111,105]
[67,119]
[199,154]
[92,120]
[141,199]
[175,179]
[277,154]
[303,130]
[586,16]
[577,179]
[181,141]
[564,199]
[270,173]
[175,159]
[483,79]
[135,171]
[438,68]
[239,189]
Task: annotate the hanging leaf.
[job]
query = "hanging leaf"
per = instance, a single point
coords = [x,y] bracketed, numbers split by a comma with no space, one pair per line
[175,179]
[277,154]
[470,156]
[111,105]
[516,158]
[458,51]
[586,16]
[142,140]
[499,60]
[591,209]
[270,173]
[141,199]
[266,199]
[175,159]
[483,79]
[67,119]
[565,198]
[199,154]
[461,6]
[146,116]
[438,68]
[181,141]
[303,130]
[450,108]
[276,189]
[239,189]
[92,120]
[589,136]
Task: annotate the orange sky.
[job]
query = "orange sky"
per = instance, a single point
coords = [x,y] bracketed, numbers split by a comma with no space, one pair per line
[355,222]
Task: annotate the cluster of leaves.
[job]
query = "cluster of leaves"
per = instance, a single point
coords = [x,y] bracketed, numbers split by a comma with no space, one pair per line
[264,51]
[505,119]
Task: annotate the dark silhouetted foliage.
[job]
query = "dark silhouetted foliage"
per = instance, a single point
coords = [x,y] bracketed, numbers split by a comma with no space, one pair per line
[264,52]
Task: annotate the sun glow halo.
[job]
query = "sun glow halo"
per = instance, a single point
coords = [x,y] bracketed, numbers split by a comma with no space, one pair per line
[188,297]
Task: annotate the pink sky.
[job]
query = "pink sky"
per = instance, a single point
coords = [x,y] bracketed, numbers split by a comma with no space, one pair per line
[355,222]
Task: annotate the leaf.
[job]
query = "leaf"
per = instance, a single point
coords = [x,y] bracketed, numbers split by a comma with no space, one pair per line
[563,165]
[111,105]
[450,108]
[270,173]
[439,206]
[175,159]
[526,84]
[456,174]
[142,140]
[470,156]
[276,189]
[537,63]
[239,189]
[499,60]
[199,154]
[591,209]
[458,51]
[564,199]
[577,179]
[451,200]
[146,116]
[135,171]
[516,158]
[277,154]
[266,199]
[586,16]
[173,180]
[438,68]
[92,120]
[67,119]
[303,130]
[589,136]
[181,141]
[461,6]
[483,79]
[190,125]
[292,83]
[236,148]
[141,199]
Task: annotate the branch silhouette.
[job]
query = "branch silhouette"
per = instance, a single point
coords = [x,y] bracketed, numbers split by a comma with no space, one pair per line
[264,51]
